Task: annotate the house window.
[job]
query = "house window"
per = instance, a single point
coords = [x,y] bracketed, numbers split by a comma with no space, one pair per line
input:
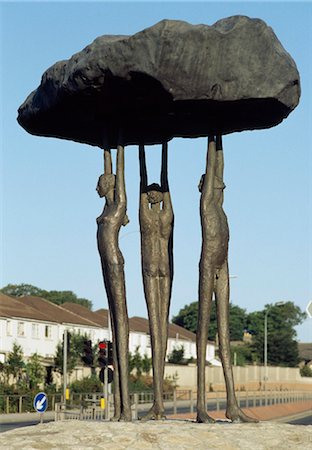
[9,328]
[35,330]
[20,329]
[148,341]
[48,331]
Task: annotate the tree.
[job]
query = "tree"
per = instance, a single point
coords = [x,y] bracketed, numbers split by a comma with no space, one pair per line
[14,364]
[57,297]
[244,354]
[187,318]
[74,355]
[306,371]
[141,365]
[34,372]
[282,345]
[177,355]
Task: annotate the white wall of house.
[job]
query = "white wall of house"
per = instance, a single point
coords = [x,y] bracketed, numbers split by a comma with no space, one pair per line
[95,334]
[40,337]
[33,336]
[142,341]
[189,348]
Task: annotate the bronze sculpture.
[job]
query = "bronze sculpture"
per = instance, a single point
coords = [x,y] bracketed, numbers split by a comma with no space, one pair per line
[164,92]
[109,223]
[214,279]
[156,226]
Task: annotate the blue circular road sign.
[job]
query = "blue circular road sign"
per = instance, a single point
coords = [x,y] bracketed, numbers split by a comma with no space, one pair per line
[41,402]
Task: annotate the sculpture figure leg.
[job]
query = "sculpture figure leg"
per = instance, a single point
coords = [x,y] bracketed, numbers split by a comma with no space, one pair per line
[117,399]
[206,288]
[233,411]
[165,295]
[152,295]
[116,281]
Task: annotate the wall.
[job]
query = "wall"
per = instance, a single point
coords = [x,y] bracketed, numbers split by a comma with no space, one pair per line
[249,377]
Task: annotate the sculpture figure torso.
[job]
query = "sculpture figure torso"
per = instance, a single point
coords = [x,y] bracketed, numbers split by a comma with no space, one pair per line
[215,232]
[109,224]
[156,229]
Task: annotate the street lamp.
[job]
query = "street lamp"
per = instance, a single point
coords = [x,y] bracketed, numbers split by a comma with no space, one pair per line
[266,340]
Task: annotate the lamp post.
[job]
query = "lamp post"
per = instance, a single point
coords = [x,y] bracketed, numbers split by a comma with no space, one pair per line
[266,313]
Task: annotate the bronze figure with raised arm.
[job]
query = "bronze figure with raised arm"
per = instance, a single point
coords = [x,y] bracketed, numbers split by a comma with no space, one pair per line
[109,223]
[214,279]
[156,226]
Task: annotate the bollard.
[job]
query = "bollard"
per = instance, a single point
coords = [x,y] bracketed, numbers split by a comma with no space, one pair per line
[136,406]
[174,401]
[191,402]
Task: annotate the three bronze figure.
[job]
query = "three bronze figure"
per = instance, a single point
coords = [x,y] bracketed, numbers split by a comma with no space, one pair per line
[156,227]
[162,91]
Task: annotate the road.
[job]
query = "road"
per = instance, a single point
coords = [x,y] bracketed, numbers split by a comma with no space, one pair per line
[302,421]
[305,420]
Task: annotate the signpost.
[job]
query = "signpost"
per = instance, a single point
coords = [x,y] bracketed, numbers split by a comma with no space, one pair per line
[41,404]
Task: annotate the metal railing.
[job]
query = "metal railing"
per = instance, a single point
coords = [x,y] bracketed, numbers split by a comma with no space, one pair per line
[88,404]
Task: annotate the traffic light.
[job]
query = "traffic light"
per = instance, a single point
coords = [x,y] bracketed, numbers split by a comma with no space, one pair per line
[87,358]
[102,356]
[109,353]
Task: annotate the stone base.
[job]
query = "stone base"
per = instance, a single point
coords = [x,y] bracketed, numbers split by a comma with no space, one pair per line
[167,434]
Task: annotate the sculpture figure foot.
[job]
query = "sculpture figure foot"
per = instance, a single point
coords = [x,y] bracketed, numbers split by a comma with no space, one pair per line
[115,418]
[126,416]
[236,415]
[202,417]
[155,413]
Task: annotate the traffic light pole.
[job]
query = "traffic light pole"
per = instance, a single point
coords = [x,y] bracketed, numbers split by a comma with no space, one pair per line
[64,365]
[105,387]
[110,338]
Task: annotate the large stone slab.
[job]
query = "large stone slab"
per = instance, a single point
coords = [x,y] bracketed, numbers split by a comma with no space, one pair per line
[165,435]
[172,79]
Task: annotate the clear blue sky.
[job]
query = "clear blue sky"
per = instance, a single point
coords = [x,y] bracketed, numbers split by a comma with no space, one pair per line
[49,203]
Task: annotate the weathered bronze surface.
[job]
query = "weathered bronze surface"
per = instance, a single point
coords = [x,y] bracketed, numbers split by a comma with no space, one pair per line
[109,223]
[156,226]
[171,79]
[214,279]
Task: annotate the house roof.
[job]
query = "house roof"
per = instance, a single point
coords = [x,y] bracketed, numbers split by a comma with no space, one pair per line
[99,319]
[305,351]
[102,315]
[13,307]
[59,314]
[141,324]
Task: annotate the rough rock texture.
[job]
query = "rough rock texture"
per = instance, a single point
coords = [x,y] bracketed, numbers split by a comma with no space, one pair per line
[172,79]
[158,435]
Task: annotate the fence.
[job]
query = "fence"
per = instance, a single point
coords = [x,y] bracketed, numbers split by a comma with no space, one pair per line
[86,406]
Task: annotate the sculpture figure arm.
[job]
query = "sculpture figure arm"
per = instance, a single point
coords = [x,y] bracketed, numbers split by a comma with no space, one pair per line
[120,193]
[143,178]
[220,159]
[167,205]
[211,162]
[108,166]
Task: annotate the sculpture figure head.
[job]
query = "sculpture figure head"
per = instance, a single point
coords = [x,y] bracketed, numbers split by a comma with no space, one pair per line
[154,193]
[105,184]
